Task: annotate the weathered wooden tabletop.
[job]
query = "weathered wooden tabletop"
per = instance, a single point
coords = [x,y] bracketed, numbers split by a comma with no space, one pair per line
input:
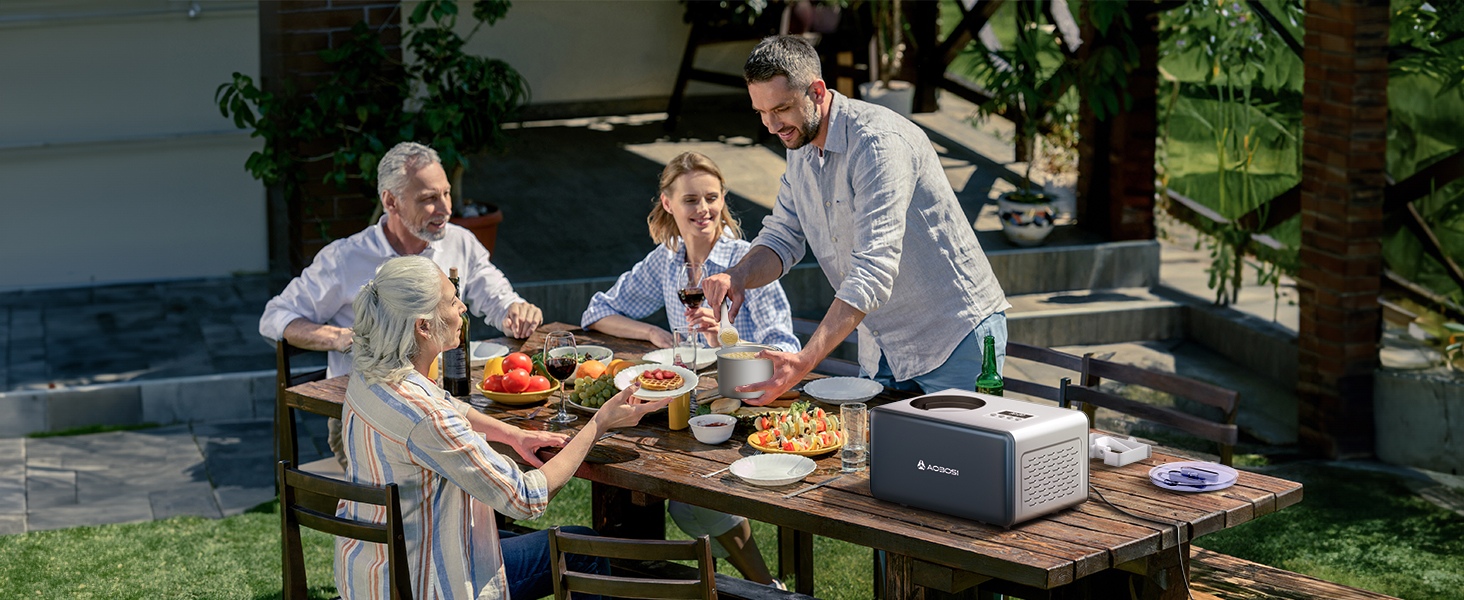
[924,548]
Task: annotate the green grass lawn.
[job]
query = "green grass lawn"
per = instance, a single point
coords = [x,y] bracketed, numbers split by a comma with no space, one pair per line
[1359,528]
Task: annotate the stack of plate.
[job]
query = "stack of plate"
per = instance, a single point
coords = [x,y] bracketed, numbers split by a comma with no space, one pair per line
[1180,476]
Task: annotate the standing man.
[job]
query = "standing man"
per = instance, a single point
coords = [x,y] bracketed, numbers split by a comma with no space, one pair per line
[865,189]
[314,312]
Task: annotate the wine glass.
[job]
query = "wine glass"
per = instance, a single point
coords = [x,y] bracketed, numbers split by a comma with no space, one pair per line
[561,364]
[690,293]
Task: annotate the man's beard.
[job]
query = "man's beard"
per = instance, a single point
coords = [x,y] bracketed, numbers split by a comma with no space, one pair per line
[809,130]
[426,235]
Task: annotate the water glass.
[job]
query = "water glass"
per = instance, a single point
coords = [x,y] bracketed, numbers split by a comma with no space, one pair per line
[855,416]
[684,347]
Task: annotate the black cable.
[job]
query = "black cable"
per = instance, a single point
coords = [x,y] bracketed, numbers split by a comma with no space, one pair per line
[1178,545]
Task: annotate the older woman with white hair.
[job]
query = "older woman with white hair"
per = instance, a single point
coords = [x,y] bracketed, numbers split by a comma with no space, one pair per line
[399,427]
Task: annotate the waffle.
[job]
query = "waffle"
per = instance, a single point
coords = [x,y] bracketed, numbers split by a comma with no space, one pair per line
[660,385]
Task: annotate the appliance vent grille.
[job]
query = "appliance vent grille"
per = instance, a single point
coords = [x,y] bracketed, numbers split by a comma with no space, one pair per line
[1051,473]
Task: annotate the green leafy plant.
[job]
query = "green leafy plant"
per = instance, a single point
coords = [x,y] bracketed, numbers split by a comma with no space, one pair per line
[339,126]
[1037,82]
[1231,132]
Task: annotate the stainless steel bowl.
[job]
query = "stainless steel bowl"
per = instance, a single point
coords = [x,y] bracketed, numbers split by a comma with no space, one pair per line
[732,372]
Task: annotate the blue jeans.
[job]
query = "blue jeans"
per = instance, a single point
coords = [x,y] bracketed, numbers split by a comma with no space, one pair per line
[526,560]
[960,370]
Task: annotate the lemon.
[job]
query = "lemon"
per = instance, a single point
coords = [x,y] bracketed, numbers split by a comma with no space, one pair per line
[494,367]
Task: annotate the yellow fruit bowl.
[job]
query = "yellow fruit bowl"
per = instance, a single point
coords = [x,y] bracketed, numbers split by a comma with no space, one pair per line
[519,399]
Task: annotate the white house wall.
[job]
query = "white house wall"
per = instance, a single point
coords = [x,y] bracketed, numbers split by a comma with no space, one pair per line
[118,166]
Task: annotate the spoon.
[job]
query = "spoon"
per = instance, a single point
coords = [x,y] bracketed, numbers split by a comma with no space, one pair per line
[728,336]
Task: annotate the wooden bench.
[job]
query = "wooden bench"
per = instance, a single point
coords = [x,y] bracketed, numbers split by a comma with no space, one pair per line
[1226,577]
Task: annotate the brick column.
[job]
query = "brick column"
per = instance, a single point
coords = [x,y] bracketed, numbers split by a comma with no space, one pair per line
[291,33]
[1116,157]
[1343,179]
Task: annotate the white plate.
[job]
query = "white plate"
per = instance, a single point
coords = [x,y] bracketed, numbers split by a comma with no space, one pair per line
[842,390]
[1159,476]
[483,351]
[773,469]
[628,374]
[704,357]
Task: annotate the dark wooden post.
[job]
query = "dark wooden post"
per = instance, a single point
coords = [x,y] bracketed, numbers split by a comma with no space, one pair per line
[291,32]
[1342,187]
[930,65]
[1116,157]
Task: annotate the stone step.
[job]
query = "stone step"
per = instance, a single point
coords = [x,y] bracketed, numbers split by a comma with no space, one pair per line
[1088,317]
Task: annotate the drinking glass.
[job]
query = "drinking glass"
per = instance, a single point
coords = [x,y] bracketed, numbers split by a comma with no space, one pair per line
[684,347]
[689,278]
[561,365]
[855,416]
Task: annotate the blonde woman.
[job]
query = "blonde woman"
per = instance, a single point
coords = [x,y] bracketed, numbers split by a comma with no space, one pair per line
[689,222]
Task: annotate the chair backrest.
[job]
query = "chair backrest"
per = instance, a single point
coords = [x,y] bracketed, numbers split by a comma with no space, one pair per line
[1224,433]
[293,516]
[286,443]
[1046,356]
[566,581]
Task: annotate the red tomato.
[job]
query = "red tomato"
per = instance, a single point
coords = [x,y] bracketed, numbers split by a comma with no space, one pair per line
[518,360]
[538,383]
[516,381]
[494,383]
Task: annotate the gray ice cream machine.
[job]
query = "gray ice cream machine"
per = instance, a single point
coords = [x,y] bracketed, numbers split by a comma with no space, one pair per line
[988,458]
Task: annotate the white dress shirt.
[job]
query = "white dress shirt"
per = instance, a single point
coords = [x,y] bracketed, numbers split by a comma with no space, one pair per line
[324,291]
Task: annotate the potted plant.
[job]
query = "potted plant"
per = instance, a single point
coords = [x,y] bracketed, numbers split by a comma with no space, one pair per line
[887,56]
[1027,83]
[454,102]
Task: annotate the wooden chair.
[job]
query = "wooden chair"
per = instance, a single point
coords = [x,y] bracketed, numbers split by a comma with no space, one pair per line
[1224,433]
[293,515]
[566,581]
[1046,356]
[287,444]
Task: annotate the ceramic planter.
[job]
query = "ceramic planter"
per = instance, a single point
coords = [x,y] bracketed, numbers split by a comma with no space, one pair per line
[485,227]
[1025,223]
[899,96]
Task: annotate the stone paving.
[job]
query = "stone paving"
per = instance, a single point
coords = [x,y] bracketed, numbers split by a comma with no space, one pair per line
[213,470]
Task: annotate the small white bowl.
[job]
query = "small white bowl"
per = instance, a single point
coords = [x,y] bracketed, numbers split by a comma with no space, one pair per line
[707,433]
[773,469]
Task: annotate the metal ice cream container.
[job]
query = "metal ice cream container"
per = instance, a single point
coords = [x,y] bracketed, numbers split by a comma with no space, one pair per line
[732,372]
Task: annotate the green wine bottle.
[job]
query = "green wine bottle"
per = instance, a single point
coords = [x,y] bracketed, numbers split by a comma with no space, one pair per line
[989,382]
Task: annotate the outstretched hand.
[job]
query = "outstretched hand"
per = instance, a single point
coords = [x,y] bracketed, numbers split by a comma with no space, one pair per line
[624,410]
[788,370]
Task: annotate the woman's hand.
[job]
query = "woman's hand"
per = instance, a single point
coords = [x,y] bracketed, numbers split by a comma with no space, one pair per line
[660,337]
[527,443]
[624,410]
[702,320]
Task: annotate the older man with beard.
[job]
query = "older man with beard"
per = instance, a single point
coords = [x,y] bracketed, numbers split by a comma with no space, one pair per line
[314,311]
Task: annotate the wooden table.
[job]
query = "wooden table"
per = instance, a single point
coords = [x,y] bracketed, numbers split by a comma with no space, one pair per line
[1091,550]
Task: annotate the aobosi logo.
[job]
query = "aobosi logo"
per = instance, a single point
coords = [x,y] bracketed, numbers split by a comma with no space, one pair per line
[937,468]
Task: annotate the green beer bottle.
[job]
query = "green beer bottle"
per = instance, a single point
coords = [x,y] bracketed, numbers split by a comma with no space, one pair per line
[989,382]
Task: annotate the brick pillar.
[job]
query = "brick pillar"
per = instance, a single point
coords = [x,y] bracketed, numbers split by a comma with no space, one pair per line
[291,32]
[1343,179]
[1116,156]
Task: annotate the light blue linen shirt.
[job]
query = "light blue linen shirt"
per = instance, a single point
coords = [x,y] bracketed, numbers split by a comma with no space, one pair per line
[884,223]
[652,283]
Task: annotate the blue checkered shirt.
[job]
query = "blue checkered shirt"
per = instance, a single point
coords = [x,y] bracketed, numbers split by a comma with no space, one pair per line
[652,284]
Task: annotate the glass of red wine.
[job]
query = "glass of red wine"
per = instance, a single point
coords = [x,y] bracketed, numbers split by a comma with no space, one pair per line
[691,294]
[561,359]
